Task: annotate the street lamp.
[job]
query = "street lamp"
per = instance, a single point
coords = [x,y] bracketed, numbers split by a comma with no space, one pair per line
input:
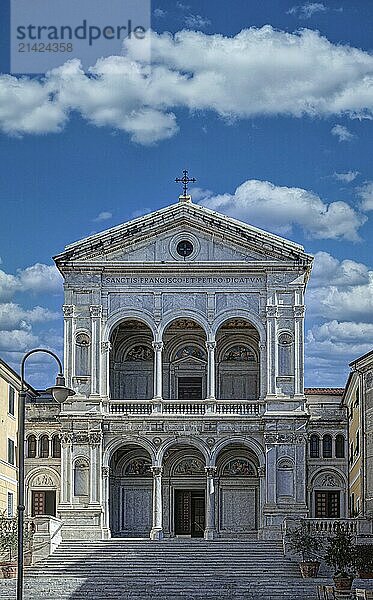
[60,393]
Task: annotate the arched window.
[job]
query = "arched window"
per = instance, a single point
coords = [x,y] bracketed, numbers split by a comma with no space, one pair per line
[339,446]
[327,446]
[314,446]
[31,446]
[56,446]
[44,446]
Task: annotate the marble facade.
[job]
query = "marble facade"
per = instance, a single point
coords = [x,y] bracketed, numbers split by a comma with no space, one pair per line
[184,342]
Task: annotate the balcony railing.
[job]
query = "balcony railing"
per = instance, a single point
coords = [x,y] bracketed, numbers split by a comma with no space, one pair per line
[185,407]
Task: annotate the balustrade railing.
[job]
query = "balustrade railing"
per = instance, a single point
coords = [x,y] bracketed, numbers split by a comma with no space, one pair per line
[185,407]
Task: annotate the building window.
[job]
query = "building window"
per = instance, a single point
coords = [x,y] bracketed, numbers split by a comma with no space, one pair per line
[327,446]
[10,505]
[357,397]
[351,452]
[31,446]
[357,443]
[11,455]
[56,446]
[339,446]
[44,447]
[314,446]
[189,388]
[327,505]
[11,400]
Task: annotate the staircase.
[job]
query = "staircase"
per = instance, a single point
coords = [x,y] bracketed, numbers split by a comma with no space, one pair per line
[166,570]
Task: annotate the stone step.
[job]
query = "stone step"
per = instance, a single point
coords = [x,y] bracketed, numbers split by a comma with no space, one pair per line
[167,570]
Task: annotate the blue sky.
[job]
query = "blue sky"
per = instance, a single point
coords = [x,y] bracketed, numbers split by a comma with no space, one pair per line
[275,123]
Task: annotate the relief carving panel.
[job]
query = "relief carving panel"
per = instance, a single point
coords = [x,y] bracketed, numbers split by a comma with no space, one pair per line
[131,300]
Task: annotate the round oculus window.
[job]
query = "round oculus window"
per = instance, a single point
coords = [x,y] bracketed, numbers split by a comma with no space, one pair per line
[184,248]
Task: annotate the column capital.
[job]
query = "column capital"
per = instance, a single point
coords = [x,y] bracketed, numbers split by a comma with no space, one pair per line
[299,311]
[156,470]
[272,311]
[211,471]
[262,471]
[68,310]
[158,345]
[95,310]
[105,471]
[95,438]
[106,346]
[66,439]
[210,345]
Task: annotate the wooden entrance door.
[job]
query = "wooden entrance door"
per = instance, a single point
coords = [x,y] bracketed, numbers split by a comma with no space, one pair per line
[190,512]
[43,503]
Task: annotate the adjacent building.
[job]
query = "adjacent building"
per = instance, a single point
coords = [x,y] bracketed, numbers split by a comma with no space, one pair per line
[184,342]
[9,389]
[358,400]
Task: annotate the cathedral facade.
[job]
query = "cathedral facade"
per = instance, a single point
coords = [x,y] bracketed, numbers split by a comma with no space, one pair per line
[184,342]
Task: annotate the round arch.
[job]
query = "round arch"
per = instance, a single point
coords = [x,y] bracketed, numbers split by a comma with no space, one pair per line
[118,443]
[251,444]
[239,314]
[183,441]
[175,315]
[128,314]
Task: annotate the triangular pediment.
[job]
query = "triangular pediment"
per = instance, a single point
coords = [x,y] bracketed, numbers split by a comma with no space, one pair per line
[155,238]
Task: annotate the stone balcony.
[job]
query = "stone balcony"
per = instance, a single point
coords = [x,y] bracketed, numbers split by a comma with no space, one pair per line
[218,408]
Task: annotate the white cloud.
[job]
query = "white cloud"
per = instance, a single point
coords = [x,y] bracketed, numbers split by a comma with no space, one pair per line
[159,13]
[17,340]
[340,290]
[257,72]
[342,133]
[13,316]
[196,21]
[40,278]
[306,11]
[103,216]
[280,208]
[366,194]
[346,177]
[328,271]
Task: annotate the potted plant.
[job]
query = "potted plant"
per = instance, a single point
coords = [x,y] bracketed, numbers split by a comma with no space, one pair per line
[305,541]
[8,546]
[364,561]
[341,555]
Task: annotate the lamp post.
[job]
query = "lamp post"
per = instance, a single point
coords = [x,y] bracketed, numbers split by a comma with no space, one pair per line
[60,393]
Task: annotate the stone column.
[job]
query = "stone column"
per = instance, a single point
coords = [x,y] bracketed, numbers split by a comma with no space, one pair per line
[210,530]
[105,471]
[95,438]
[298,349]
[210,345]
[69,345]
[104,379]
[158,347]
[96,312]
[271,311]
[157,529]
[66,468]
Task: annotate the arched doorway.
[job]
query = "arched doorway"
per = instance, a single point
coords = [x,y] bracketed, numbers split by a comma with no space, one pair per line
[131,361]
[184,361]
[238,361]
[184,492]
[130,492]
[237,470]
